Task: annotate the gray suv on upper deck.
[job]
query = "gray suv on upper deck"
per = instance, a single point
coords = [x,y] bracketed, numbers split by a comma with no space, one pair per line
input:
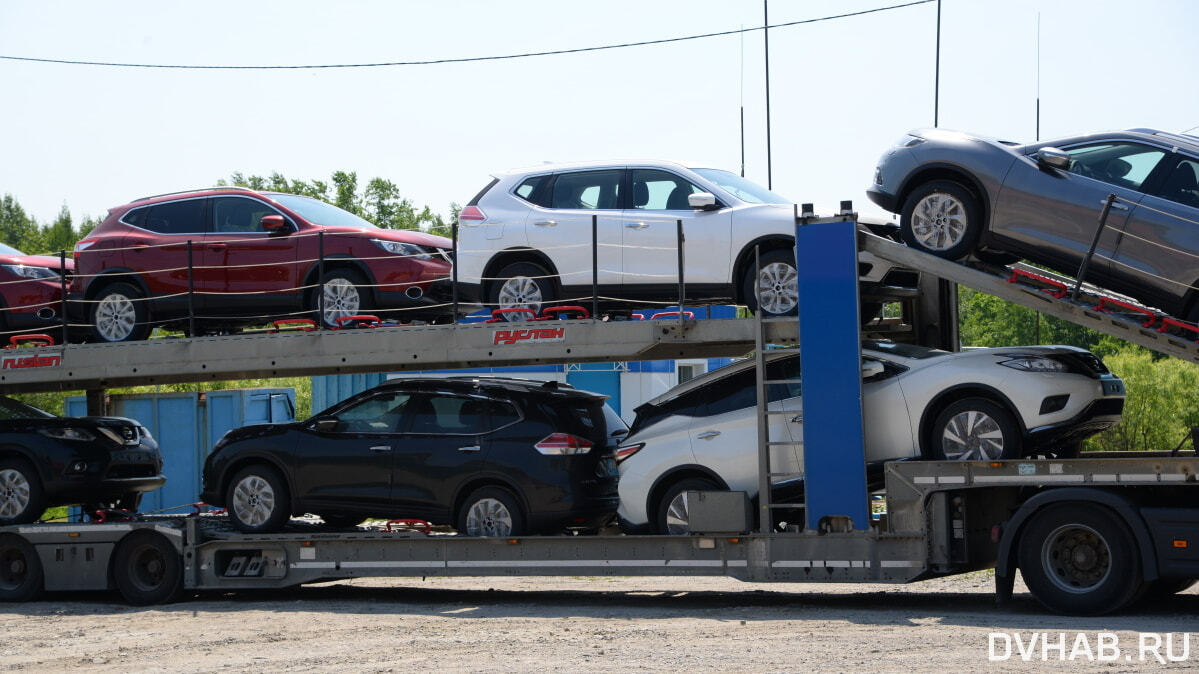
[959,194]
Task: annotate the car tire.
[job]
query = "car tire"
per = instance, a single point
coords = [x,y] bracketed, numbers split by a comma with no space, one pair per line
[147,569]
[341,520]
[22,498]
[943,218]
[974,429]
[1080,559]
[521,285]
[345,294]
[490,511]
[671,515]
[777,281]
[21,573]
[257,500]
[119,314]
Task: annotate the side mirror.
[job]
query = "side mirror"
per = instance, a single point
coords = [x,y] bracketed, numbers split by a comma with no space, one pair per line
[324,424]
[702,201]
[1052,157]
[871,368]
[273,223]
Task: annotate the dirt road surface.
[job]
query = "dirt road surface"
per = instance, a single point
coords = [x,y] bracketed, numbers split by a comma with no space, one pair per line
[583,624]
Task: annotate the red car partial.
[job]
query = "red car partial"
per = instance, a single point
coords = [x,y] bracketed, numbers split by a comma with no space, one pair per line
[233,257]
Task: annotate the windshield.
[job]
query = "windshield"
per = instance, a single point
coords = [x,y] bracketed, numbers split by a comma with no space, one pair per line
[6,249]
[904,350]
[745,190]
[319,213]
[12,409]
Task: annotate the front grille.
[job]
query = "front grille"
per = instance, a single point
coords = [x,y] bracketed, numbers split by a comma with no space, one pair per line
[125,471]
[1093,362]
[1108,407]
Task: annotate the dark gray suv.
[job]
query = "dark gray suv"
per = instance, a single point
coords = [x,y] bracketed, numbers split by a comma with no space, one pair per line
[959,194]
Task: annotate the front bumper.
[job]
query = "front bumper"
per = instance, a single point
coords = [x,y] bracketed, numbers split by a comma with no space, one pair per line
[884,200]
[1097,417]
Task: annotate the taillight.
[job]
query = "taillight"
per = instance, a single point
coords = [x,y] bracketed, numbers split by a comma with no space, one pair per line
[471,215]
[626,451]
[563,444]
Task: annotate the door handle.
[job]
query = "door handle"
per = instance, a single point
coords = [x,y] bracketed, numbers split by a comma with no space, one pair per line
[217,246]
[1116,206]
[381,449]
[798,418]
[546,223]
[708,435]
[636,225]
[472,448]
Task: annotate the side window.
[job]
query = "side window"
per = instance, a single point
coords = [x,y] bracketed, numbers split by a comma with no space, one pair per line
[655,190]
[445,414]
[238,214]
[730,394]
[533,190]
[136,217]
[587,189]
[1182,185]
[176,217]
[377,414]
[784,370]
[1116,163]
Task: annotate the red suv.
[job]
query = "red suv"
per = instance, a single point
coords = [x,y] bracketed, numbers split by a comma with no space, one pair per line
[253,257]
[30,292]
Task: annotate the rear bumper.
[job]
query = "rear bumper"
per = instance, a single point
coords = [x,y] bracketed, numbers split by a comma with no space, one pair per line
[591,512]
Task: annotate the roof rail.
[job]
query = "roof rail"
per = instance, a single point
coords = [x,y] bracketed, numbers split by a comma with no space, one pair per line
[198,189]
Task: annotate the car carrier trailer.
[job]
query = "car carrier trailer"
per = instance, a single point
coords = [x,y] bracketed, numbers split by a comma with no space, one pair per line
[1089,535]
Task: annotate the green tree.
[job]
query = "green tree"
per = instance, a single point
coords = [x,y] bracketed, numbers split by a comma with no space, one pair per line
[986,320]
[18,229]
[61,234]
[1162,403]
[345,188]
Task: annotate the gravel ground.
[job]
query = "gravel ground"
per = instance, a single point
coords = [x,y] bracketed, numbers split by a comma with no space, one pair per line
[581,624]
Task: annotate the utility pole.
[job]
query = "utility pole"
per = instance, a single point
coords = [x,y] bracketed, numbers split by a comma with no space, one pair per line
[766,39]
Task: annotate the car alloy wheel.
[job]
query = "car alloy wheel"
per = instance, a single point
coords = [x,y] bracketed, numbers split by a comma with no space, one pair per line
[778,288]
[939,221]
[678,516]
[972,435]
[14,493]
[488,517]
[253,500]
[116,317]
[520,291]
[341,299]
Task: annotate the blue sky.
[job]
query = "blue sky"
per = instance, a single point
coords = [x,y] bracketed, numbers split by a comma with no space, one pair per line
[841,91]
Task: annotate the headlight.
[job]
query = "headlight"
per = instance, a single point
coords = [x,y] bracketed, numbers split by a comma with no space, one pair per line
[1034,364]
[401,248]
[27,271]
[69,433]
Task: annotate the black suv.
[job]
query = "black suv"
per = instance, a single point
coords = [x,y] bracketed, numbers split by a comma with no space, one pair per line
[45,460]
[491,456]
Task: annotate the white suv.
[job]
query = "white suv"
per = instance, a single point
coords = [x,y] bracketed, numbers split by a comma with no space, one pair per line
[980,404]
[525,239]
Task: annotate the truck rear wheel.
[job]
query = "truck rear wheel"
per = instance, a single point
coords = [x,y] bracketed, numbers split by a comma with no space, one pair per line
[1080,559]
[147,569]
[20,569]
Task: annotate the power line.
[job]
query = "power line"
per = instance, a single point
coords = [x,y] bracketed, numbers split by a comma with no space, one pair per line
[467,59]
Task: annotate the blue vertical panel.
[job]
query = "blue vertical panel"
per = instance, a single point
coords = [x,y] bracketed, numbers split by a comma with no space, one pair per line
[604,382]
[177,432]
[831,353]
